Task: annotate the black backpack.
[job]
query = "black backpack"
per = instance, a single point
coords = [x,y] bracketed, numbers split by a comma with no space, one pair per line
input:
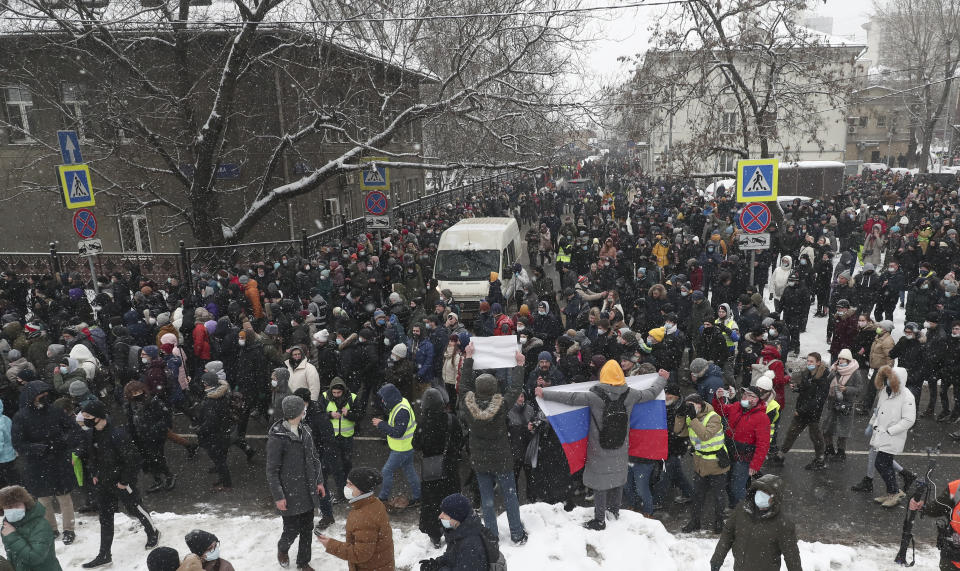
[616,422]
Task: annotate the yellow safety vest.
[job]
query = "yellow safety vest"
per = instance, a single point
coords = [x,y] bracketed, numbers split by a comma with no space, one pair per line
[342,426]
[773,405]
[405,442]
[562,255]
[706,449]
[731,325]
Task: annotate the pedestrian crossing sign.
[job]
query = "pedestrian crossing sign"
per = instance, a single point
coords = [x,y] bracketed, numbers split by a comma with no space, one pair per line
[376,175]
[76,185]
[757,180]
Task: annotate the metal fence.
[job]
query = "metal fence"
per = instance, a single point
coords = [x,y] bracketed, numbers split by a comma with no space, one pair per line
[158,266]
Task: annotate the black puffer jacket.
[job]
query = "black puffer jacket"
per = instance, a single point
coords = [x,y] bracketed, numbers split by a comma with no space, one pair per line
[113,457]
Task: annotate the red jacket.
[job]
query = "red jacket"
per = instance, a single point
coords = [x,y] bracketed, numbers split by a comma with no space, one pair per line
[696,278]
[750,428]
[503,326]
[201,342]
[770,356]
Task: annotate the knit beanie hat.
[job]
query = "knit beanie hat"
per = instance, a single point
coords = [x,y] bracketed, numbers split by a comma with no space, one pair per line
[487,386]
[699,366]
[271,329]
[210,379]
[95,408]
[163,559]
[544,356]
[365,479]
[457,506]
[77,389]
[399,351]
[292,406]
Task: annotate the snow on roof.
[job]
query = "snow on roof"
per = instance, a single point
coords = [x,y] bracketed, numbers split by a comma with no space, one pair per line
[23,17]
[812,164]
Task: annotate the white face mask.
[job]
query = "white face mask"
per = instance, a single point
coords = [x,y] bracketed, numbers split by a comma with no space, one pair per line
[145,360]
[242,342]
[762,499]
[274,382]
[348,492]
[213,554]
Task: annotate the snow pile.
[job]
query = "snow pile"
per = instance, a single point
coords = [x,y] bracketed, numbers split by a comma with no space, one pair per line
[556,537]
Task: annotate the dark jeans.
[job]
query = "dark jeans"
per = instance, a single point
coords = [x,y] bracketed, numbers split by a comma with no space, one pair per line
[739,477]
[884,465]
[294,526]
[345,455]
[708,488]
[604,500]
[797,425]
[673,476]
[109,496]
[218,455]
[9,475]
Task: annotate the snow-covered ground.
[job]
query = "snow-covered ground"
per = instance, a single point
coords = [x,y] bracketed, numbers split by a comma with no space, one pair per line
[556,537]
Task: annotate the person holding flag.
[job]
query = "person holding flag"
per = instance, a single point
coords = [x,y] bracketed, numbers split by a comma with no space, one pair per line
[610,403]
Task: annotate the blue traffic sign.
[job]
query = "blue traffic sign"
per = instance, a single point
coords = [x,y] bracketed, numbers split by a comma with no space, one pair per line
[85,223]
[376,203]
[69,147]
[754,218]
[757,180]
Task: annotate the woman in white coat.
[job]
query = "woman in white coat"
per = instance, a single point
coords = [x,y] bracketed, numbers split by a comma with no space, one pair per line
[895,413]
[778,283]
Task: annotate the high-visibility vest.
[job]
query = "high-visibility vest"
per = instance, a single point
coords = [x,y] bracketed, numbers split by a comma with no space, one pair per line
[955,514]
[731,325]
[342,426]
[773,406]
[405,442]
[706,449]
[562,255]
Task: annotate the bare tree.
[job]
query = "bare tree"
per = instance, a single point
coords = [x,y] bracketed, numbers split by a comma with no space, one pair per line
[169,91]
[923,43]
[743,77]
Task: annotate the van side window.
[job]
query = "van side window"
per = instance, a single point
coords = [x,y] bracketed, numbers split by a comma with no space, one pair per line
[511,248]
[507,262]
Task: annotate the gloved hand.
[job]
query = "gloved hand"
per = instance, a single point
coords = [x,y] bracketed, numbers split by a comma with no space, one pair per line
[691,411]
[429,565]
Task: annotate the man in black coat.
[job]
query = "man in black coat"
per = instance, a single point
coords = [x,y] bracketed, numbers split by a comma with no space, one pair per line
[892,282]
[113,463]
[467,546]
[250,377]
[710,345]
[214,424]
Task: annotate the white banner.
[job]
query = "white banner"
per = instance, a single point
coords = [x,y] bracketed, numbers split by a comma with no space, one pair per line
[495,352]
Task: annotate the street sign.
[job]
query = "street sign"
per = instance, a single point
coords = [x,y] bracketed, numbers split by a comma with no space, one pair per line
[377,222]
[85,223]
[70,147]
[376,175]
[76,185]
[753,241]
[757,180]
[376,203]
[90,247]
[754,218]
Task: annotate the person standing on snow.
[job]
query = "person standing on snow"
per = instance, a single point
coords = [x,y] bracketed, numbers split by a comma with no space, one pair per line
[608,442]
[758,533]
[368,545]
[27,537]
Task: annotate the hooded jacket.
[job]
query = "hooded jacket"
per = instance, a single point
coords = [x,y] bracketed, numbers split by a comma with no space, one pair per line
[781,275]
[485,413]
[750,431]
[7,452]
[606,468]
[293,468]
[31,546]
[759,538]
[895,413]
[85,360]
[880,350]
[304,375]
[44,437]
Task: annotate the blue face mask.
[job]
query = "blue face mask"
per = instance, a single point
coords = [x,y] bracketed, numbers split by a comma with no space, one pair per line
[811,367]
[446,523]
[762,500]
[13,515]
[745,403]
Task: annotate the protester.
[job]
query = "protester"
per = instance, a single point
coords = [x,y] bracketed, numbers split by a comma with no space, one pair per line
[368,545]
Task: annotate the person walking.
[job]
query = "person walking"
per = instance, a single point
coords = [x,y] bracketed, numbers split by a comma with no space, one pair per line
[368,545]
[214,427]
[611,403]
[399,428]
[844,389]
[761,537]
[484,411]
[113,463]
[295,479]
[697,421]
[812,388]
[895,413]
[27,537]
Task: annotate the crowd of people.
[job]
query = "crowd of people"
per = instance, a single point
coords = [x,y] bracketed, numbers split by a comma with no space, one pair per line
[626,276]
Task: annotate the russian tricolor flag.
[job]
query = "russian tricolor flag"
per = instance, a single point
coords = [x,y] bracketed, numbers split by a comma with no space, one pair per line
[648,423]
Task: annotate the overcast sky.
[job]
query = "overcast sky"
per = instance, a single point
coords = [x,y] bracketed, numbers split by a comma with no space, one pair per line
[626,33]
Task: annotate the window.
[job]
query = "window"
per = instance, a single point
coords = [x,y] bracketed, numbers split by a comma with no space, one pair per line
[863,121]
[881,120]
[134,233]
[411,189]
[728,124]
[728,162]
[74,100]
[19,103]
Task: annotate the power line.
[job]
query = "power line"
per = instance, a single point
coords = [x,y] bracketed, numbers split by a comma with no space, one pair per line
[424,18]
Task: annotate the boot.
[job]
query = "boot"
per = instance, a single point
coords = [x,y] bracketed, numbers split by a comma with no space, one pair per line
[69,536]
[595,525]
[841,455]
[894,499]
[283,559]
[691,526]
[306,567]
[865,485]
[908,478]
[944,415]
[927,413]
[829,451]
[158,484]
[98,561]
[323,524]
[817,464]
[170,483]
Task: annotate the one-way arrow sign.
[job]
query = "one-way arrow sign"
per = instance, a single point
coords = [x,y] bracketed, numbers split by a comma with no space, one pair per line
[70,147]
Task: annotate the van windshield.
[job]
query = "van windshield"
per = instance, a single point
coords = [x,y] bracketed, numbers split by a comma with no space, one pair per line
[466,265]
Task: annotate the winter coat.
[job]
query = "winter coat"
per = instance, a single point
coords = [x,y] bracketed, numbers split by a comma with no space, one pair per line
[880,350]
[112,456]
[252,292]
[487,421]
[606,468]
[699,312]
[909,355]
[15,367]
[708,384]
[293,468]
[192,562]
[895,413]
[31,546]
[466,548]
[304,375]
[714,426]
[369,541]
[812,389]
[834,423]
[44,438]
[7,452]
[844,333]
[213,416]
[778,283]
[711,347]
[422,351]
[759,538]
[750,431]
[149,421]
[85,360]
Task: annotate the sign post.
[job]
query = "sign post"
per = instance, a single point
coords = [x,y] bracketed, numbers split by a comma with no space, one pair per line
[754,220]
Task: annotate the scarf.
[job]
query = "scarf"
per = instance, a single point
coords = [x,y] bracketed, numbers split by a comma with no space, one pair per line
[843,374]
